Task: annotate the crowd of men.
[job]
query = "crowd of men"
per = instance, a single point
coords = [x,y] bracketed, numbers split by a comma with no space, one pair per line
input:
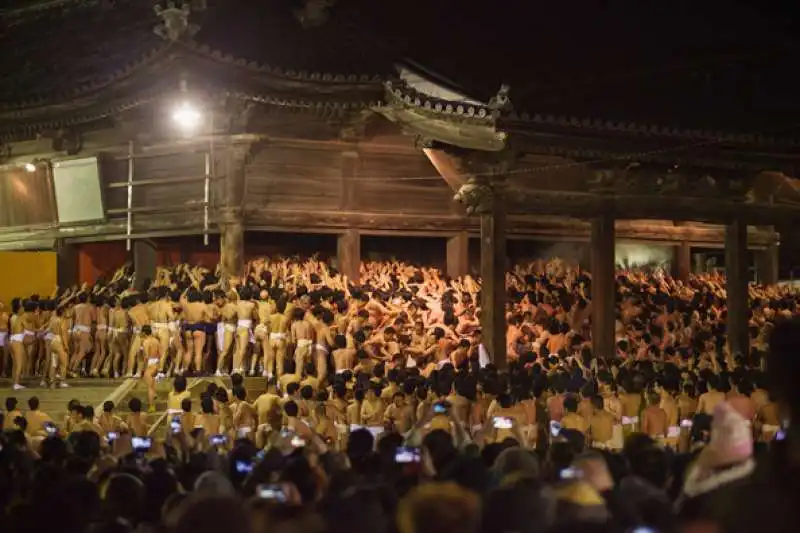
[391,377]
[303,323]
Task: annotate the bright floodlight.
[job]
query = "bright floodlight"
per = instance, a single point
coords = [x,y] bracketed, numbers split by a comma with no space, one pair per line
[30,167]
[187,117]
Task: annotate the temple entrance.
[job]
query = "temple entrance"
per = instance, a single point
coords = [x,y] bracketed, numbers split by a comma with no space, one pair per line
[427,251]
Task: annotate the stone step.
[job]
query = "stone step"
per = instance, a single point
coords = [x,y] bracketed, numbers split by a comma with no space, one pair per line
[95,391]
[54,401]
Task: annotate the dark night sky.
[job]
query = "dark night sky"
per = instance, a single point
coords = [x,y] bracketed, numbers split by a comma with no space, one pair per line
[686,63]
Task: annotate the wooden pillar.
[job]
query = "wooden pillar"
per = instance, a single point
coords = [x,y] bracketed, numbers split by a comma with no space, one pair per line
[603,287]
[458,255]
[235,175]
[767,262]
[351,163]
[67,265]
[348,254]
[493,275]
[682,261]
[699,260]
[231,223]
[231,252]
[144,263]
[736,286]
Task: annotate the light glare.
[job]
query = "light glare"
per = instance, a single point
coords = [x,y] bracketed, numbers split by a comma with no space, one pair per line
[30,167]
[186,116]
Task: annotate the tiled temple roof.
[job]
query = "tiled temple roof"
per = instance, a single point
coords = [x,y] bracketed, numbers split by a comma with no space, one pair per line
[684,66]
[679,69]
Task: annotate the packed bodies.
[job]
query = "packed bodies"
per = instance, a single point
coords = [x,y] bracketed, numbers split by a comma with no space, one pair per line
[296,321]
[398,363]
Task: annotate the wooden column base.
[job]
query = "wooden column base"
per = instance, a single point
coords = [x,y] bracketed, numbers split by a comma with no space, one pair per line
[232,248]
[348,255]
[736,287]
[603,287]
[458,255]
[493,275]
[68,265]
[767,263]
[144,263]
[682,261]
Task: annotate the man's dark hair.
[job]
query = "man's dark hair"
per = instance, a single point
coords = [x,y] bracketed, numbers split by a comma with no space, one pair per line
[571,404]
[11,403]
[33,403]
[21,422]
[307,392]
[179,384]
[207,405]
[135,405]
[291,409]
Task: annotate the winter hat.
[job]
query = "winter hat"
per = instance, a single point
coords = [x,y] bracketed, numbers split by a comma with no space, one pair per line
[731,438]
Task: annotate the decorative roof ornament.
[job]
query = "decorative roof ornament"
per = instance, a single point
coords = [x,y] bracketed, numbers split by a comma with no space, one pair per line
[501,103]
[314,12]
[175,25]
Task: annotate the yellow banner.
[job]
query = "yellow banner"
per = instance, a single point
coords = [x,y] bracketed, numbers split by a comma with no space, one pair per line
[25,273]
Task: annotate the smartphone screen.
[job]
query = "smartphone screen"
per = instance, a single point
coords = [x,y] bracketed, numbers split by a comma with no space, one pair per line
[439,408]
[50,428]
[271,492]
[555,428]
[112,435]
[141,444]
[406,455]
[176,425]
[570,473]
[218,440]
[244,467]
[502,422]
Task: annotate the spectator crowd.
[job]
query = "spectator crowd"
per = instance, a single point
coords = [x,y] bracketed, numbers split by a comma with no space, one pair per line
[384,411]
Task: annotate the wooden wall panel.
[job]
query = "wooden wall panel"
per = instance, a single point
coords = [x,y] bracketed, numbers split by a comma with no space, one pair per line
[165,167]
[400,184]
[190,165]
[294,178]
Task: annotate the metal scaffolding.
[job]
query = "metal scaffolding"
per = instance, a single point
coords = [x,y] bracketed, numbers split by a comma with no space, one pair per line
[129,211]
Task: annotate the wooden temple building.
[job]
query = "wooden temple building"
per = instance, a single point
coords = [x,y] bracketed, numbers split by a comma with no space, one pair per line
[354,118]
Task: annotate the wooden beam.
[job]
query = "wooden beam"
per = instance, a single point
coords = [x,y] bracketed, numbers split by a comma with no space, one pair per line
[706,209]
[549,228]
[446,166]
